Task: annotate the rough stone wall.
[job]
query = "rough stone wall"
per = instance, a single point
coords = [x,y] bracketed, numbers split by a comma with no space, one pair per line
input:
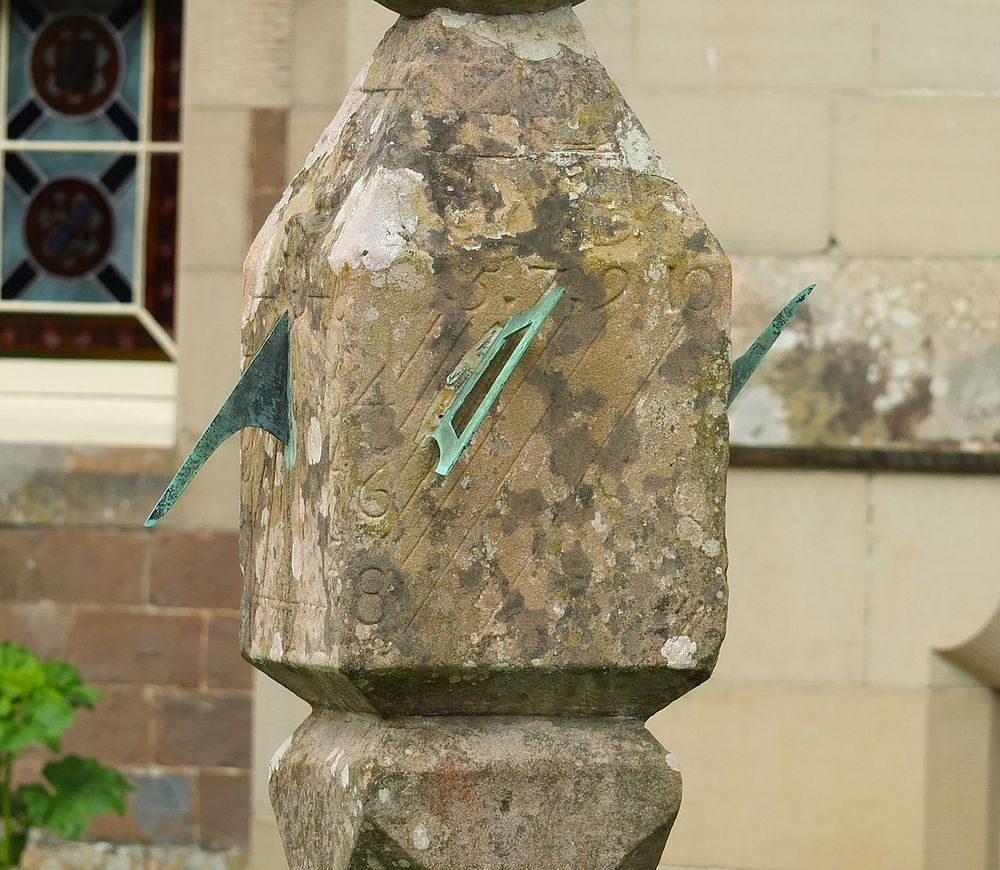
[108,856]
[152,620]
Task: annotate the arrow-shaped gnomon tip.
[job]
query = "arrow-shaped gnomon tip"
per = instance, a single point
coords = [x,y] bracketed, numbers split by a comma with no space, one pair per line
[260,400]
[746,365]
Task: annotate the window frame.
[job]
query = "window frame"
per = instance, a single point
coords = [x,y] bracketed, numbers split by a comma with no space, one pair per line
[127,402]
[144,148]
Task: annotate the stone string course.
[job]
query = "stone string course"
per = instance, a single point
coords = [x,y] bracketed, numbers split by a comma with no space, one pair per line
[109,856]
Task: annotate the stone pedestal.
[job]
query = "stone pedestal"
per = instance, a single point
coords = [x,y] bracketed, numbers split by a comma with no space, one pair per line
[475,792]
[567,578]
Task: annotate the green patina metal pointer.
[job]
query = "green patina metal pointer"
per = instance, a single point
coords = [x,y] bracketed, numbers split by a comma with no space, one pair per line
[480,382]
[261,400]
[746,365]
[262,397]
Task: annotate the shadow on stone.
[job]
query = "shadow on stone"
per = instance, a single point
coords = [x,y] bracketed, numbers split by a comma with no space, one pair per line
[376,850]
[646,856]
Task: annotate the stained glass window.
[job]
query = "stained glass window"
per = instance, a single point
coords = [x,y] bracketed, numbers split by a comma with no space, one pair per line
[90,100]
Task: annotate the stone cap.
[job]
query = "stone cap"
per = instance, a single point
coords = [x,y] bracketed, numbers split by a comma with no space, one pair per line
[419,8]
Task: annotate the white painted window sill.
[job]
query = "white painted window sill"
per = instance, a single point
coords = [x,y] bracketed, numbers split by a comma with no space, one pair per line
[88,403]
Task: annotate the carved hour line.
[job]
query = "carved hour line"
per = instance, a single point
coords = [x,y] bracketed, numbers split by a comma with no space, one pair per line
[482,441]
[494,422]
[429,383]
[358,401]
[505,476]
[619,293]
[420,401]
[406,366]
[255,483]
[623,414]
[621,418]
[267,531]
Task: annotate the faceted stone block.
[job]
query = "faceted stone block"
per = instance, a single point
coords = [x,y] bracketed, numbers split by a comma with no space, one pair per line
[574,561]
[490,793]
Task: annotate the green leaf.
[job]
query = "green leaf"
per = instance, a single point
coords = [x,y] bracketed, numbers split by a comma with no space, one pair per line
[37,704]
[36,804]
[20,674]
[14,655]
[43,716]
[65,679]
[37,699]
[83,788]
[18,842]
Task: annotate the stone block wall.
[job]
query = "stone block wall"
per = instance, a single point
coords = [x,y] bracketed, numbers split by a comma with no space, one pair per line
[861,125]
[800,128]
[152,620]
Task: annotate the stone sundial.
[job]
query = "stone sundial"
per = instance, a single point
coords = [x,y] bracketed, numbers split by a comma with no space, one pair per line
[483,525]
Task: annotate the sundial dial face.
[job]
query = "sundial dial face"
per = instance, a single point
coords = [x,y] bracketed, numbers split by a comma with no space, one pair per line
[69,227]
[76,65]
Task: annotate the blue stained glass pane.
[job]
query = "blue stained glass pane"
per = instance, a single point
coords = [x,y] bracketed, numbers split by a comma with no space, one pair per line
[69,224]
[75,70]
[18,81]
[132,80]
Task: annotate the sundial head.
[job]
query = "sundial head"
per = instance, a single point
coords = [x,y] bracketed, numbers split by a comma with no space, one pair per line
[419,8]
[502,411]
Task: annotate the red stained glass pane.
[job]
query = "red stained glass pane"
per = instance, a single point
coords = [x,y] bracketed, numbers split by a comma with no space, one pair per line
[161,239]
[167,71]
[76,337]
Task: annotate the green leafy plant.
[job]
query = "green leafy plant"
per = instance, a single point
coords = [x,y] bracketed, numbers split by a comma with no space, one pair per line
[38,700]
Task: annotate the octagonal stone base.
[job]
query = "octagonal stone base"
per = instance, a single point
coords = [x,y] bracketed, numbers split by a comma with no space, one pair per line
[354,791]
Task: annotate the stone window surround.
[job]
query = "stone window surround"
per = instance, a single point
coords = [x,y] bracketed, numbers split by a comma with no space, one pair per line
[99,403]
